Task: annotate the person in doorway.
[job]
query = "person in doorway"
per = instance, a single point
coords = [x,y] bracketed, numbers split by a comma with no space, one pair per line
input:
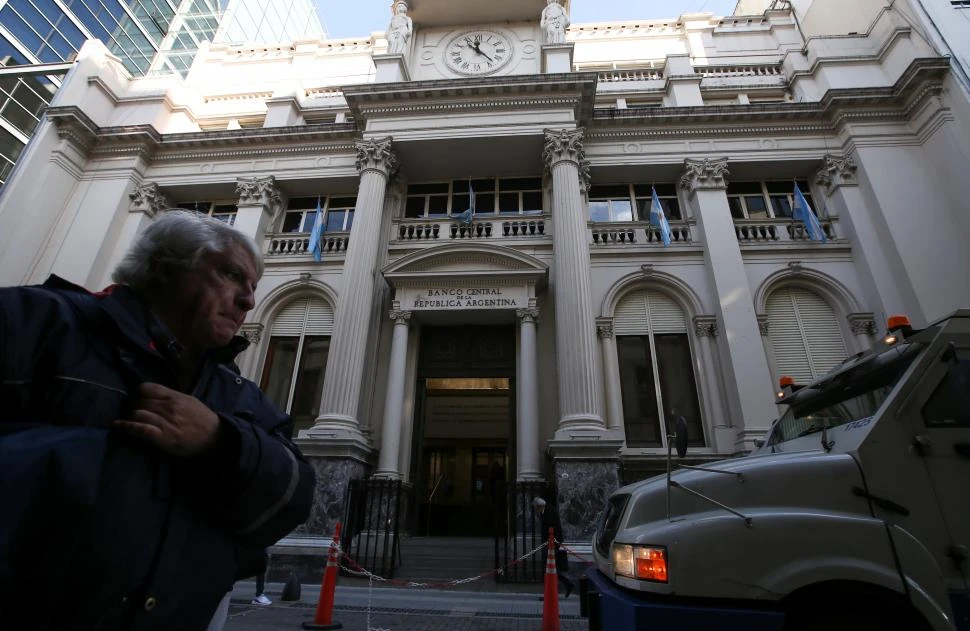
[142,466]
[549,518]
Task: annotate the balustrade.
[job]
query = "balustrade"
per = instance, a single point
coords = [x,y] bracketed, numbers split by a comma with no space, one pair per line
[410,230]
[639,233]
[298,244]
[787,229]
[738,71]
[645,74]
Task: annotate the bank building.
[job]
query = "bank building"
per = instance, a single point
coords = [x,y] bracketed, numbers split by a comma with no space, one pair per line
[493,314]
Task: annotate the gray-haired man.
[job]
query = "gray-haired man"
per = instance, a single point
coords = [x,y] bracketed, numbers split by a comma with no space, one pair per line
[153,474]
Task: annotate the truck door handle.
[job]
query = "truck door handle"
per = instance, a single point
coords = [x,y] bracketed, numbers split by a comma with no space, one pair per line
[962,449]
[881,502]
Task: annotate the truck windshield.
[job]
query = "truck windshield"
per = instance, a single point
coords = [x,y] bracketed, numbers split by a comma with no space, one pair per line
[851,395]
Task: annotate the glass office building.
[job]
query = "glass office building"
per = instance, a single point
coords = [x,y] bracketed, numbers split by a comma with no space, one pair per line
[39,39]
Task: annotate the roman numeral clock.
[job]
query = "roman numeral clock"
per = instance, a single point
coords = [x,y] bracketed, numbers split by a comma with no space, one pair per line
[478,52]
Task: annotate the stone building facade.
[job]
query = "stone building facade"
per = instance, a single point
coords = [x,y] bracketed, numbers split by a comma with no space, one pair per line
[553,336]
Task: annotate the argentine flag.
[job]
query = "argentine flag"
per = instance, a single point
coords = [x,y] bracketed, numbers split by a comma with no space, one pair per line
[316,234]
[657,217]
[803,212]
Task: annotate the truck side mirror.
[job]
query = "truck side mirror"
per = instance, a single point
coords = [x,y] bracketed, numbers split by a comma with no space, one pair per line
[680,436]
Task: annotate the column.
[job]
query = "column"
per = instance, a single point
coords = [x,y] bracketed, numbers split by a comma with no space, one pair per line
[258,206]
[884,292]
[745,366]
[527,427]
[611,373]
[579,396]
[388,466]
[341,387]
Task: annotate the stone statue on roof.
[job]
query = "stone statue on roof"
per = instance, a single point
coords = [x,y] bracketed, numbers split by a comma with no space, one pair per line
[399,30]
[554,22]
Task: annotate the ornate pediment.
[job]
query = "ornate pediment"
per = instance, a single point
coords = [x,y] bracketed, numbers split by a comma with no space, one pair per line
[455,263]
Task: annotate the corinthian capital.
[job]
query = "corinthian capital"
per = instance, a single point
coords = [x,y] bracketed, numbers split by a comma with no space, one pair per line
[376,155]
[146,198]
[836,171]
[400,317]
[567,145]
[704,174]
[255,191]
[528,315]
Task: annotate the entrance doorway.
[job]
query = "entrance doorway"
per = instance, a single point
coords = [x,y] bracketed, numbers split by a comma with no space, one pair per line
[465,430]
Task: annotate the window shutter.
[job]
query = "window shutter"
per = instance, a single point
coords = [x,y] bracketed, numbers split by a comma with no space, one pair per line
[642,311]
[804,335]
[665,315]
[320,318]
[630,316]
[311,315]
[822,332]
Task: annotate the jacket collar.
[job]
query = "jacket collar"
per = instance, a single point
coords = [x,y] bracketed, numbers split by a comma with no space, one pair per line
[130,314]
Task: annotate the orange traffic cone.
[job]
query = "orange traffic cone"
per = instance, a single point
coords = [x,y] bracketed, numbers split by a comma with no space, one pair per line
[323,619]
[550,598]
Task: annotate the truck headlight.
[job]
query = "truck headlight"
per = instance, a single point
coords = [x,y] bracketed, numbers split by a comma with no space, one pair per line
[648,563]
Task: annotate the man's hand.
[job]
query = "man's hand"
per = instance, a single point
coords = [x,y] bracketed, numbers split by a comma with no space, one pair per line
[176,423]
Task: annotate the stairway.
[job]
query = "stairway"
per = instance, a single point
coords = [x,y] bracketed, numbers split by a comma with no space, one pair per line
[445,558]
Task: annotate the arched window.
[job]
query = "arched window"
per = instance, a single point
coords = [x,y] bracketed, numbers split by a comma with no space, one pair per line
[297,358]
[657,381]
[804,335]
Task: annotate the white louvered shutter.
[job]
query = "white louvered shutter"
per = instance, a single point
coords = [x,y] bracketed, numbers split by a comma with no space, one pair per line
[630,316]
[804,334]
[320,318]
[665,315]
[310,315]
[646,312]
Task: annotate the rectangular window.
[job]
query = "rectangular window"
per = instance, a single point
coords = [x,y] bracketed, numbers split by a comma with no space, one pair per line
[666,195]
[279,373]
[766,200]
[638,391]
[639,386]
[505,196]
[222,210]
[677,386]
[309,381]
[301,212]
[520,196]
[610,203]
[427,200]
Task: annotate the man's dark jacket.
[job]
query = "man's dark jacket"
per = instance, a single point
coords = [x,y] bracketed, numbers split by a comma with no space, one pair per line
[102,531]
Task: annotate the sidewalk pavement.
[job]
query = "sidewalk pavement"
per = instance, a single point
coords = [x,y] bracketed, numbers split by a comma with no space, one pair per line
[358,606]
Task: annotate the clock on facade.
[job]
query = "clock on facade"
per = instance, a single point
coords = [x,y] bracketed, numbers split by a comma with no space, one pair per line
[478,52]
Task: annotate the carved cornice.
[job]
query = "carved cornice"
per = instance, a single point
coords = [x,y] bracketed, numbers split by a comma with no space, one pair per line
[862,324]
[527,315]
[705,326]
[566,145]
[400,317]
[574,90]
[836,171]
[148,199]
[377,155]
[923,79]
[706,174]
[76,127]
[258,191]
[252,332]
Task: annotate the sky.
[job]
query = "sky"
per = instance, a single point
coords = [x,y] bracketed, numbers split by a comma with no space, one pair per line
[355,18]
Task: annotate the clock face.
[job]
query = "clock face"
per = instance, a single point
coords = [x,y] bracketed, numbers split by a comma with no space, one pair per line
[478,52]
